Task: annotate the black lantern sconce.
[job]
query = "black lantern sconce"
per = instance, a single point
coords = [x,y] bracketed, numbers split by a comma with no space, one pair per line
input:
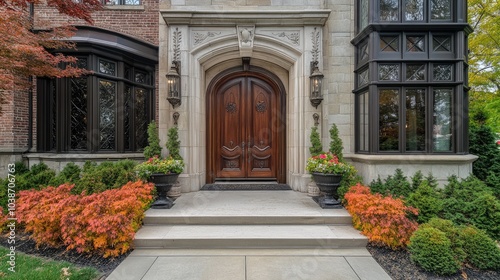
[174,84]
[316,82]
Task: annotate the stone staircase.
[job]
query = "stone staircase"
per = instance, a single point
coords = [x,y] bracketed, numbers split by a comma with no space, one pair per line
[247,220]
[248,235]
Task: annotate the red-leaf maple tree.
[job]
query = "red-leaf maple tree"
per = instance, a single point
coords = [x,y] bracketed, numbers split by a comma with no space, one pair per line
[26,52]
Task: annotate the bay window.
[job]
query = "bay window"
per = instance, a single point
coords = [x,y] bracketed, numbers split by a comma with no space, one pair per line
[107,111]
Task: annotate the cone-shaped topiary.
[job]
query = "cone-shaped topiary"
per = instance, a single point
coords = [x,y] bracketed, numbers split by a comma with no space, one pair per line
[336,143]
[316,147]
[173,143]
[153,148]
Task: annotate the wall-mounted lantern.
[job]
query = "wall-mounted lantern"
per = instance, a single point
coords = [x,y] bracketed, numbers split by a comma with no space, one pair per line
[174,84]
[316,80]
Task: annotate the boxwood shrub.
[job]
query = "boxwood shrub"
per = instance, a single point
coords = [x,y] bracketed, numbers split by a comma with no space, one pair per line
[431,250]
[482,252]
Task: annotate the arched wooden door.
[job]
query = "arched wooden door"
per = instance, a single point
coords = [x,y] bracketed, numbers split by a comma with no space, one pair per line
[246,129]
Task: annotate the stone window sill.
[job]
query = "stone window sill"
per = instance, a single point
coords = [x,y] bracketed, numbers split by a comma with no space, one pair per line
[125,7]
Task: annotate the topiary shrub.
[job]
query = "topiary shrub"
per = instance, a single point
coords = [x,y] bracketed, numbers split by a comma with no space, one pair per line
[482,252]
[153,148]
[316,146]
[427,200]
[336,145]
[431,250]
[173,143]
[452,232]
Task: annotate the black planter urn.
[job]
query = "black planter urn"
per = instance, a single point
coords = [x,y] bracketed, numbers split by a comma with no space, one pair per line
[163,183]
[328,184]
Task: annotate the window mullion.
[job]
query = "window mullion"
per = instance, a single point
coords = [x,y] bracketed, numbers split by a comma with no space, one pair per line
[402,120]
[429,108]
[119,136]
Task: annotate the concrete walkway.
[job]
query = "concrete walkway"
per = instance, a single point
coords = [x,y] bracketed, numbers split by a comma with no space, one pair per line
[248,235]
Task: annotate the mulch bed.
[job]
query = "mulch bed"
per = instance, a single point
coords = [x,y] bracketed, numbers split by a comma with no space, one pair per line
[399,266]
[104,265]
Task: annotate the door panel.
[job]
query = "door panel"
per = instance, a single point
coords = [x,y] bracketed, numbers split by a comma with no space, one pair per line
[261,150]
[245,141]
[230,116]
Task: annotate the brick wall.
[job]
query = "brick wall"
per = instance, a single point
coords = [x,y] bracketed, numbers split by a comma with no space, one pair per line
[7,121]
[137,21]
[14,121]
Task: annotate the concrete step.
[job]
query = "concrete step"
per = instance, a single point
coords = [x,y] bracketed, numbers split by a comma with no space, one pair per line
[246,207]
[248,236]
[158,217]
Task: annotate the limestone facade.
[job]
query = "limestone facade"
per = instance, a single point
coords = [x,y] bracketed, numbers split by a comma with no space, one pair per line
[281,36]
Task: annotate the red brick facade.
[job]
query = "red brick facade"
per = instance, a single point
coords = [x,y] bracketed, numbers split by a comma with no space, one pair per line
[140,22]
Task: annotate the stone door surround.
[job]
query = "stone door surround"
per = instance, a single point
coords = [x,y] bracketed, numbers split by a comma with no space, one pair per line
[279,41]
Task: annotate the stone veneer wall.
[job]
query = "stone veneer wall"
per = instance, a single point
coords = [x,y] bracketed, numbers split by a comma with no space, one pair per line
[337,57]
[292,66]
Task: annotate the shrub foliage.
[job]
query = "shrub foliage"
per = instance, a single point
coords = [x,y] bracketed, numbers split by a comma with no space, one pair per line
[316,146]
[481,250]
[153,148]
[384,220]
[103,223]
[431,249]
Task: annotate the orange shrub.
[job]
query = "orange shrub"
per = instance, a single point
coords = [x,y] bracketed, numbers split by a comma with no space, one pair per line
[107,221]
[103,222]
[40,211]
[383,220]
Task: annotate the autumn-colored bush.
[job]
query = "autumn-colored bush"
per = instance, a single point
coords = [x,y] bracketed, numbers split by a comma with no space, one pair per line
[40,211]
[384,220]
[102,223]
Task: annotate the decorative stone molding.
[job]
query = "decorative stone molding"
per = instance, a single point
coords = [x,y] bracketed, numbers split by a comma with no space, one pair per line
[177,45]
[315,44]
[290,37]
[282,17]
[176,116]
[245,39]
[316,119]
[200,37]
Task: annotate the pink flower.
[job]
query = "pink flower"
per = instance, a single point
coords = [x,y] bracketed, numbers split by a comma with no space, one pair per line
[322,156]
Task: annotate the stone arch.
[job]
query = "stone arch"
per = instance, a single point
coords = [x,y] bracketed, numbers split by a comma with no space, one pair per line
[203,62]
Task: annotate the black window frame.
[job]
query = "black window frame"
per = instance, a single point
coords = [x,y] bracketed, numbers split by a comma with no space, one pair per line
[120,2]
[58,89]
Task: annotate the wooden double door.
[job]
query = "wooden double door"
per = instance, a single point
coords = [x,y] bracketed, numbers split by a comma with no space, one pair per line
[246,130]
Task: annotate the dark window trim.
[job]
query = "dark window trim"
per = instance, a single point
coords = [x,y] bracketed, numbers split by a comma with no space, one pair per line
[63,105]
[457,109]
